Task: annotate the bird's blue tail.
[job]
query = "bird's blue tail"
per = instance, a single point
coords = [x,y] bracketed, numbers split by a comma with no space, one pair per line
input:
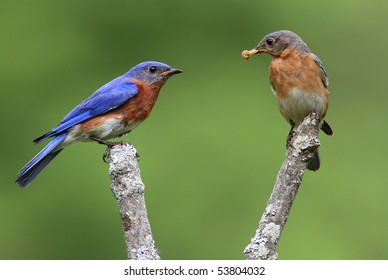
[40,161]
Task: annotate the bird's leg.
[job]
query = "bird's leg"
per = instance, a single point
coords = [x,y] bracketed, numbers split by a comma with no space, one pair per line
[290,134]
[101,141]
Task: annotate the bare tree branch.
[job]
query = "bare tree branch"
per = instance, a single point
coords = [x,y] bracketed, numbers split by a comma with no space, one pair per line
[128,189]
[263,245]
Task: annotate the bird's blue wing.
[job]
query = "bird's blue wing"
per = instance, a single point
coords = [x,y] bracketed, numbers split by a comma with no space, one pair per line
[324,78]
[108,97]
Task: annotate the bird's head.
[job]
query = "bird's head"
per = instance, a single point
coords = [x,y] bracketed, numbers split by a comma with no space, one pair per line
[152,72]
[276,43]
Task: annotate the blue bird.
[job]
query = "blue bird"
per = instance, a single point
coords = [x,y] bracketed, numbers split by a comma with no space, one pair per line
[112,111]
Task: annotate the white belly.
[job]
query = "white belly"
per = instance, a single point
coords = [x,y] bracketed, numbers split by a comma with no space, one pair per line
[110,128]
[299,104]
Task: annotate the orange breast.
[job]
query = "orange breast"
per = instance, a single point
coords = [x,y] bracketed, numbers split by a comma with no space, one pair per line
[134,110]
[298,87]
[295,71]
[139,107]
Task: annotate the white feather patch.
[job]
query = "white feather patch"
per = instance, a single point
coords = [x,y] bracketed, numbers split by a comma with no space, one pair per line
[299,104]
[111,128]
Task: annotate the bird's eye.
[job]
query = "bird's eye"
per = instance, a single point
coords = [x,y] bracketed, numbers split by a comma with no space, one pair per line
[269,41]
[152,69]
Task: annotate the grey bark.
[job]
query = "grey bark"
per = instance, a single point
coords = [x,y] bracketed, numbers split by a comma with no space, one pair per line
[263,245]
[128,189]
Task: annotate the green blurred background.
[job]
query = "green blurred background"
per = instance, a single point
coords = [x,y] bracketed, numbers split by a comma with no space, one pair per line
[215,140]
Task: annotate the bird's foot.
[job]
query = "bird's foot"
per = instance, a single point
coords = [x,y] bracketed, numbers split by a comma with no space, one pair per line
[109,145]
[290,134]
[289,138]
[106,154]
[107,151]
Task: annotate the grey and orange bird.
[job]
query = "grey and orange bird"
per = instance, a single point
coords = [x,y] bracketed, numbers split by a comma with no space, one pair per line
[298,80]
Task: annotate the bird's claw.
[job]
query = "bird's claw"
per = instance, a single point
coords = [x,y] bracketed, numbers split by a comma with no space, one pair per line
[106,154]
[289,138]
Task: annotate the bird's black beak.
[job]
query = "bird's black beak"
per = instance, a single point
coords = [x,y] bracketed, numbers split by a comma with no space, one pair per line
[171,72]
